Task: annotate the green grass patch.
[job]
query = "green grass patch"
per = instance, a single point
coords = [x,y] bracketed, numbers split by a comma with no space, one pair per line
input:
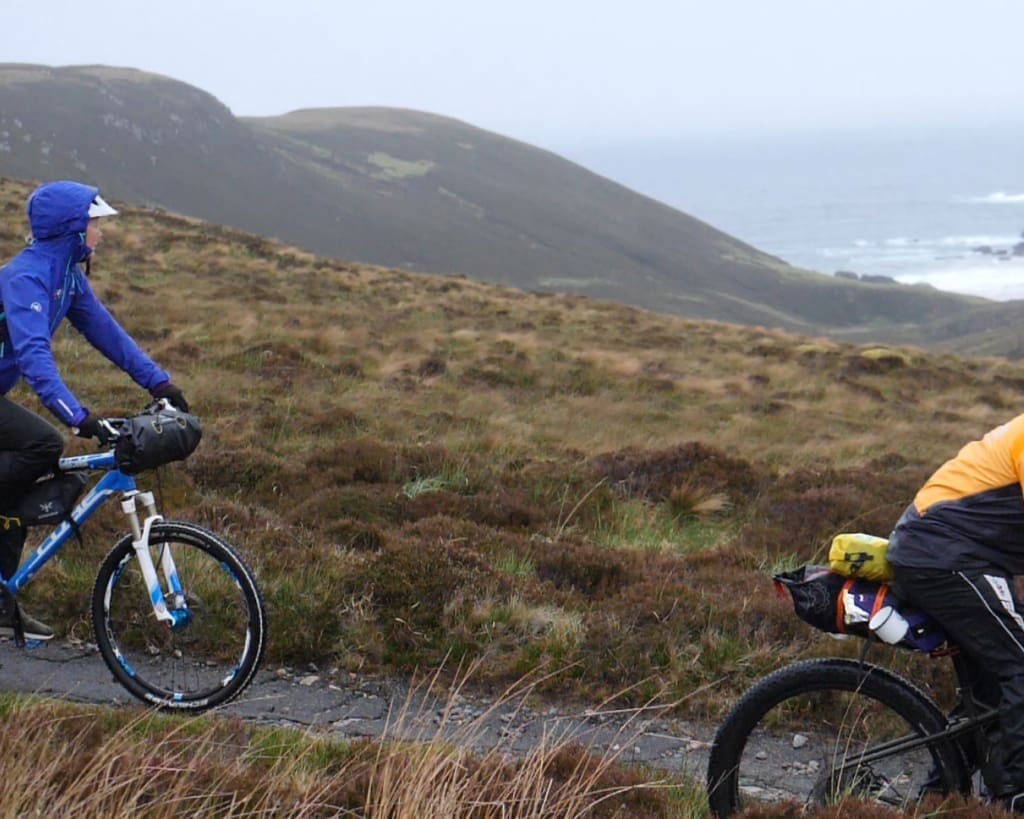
[452,480]
[637,524]
[391,167]
[514,565]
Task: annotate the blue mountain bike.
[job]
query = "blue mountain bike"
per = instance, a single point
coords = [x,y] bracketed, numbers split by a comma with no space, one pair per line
[177,614]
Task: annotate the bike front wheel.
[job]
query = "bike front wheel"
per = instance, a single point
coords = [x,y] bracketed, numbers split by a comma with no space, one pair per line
[213,649]
[820,731]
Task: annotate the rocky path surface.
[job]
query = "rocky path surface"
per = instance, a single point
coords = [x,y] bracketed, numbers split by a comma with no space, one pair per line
[349,706]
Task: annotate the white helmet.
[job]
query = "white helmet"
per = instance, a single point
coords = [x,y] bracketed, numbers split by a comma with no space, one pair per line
[99,207]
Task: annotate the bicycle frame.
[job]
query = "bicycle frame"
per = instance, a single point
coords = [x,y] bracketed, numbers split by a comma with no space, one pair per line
[953,730]
[113,482]
[974,722]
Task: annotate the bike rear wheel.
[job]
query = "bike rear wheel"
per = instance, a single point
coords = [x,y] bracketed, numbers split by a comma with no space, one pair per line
[213,653]
[814,732]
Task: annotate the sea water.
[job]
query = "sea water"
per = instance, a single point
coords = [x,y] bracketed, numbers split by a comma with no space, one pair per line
[942,206]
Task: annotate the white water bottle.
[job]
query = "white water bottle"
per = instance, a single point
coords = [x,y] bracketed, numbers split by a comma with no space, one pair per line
[889,625]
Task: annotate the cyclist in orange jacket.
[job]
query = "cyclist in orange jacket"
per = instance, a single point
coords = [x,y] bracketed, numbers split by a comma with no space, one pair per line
[955,552]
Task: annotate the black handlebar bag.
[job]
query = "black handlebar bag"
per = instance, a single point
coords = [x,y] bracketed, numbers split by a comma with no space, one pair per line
[154,438]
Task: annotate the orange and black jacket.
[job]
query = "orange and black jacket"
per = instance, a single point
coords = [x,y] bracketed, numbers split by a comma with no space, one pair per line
[970,513]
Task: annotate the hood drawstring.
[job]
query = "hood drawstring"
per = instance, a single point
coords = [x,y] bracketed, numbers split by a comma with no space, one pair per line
[84,252]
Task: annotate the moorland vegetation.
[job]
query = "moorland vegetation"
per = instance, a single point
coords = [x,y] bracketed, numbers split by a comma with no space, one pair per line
[427,470]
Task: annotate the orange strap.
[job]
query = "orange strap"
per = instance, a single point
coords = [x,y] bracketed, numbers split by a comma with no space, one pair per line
[841,607]
[879,599]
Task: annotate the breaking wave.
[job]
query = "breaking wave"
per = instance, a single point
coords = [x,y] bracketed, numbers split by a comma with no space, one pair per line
[998,198]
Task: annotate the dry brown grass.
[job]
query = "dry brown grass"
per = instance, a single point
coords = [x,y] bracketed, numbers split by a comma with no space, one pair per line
[63,760]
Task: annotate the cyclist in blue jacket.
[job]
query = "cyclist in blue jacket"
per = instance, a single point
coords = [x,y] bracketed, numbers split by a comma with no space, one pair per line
[41,286]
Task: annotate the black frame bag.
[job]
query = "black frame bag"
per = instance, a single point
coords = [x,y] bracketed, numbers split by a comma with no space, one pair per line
[51,500]
[156,437]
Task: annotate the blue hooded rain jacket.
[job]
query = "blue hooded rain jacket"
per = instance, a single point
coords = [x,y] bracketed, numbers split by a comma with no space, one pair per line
[43,284]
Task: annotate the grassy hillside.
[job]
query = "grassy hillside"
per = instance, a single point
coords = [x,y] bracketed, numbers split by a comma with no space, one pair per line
[424,467]
[426,193]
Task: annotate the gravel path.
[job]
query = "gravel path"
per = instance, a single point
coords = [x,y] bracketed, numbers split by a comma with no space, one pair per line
[350,706]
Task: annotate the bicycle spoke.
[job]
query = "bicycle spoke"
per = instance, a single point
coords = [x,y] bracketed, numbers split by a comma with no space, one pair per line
[211,649]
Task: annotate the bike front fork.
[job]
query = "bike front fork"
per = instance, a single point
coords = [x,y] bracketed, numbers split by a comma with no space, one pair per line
[176,614]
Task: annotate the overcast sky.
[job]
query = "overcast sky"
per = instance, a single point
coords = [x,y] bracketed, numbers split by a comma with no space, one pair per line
[552,72]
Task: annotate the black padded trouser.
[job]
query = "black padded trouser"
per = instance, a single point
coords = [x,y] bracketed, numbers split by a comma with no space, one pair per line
[980,611]
[29,448]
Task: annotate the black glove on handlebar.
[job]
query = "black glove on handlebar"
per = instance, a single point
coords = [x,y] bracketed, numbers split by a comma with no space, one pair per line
[98,428]
[171,393]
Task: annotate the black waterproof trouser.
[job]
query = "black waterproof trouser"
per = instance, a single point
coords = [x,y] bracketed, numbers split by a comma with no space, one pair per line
[29,448]
[980,611]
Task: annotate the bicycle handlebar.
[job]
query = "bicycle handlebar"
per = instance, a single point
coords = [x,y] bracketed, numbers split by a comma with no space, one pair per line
[120,425]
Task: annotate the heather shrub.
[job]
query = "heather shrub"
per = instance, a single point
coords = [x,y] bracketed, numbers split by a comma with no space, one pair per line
[800,512]
[377,503]
[502,508]
[591,571]
[243,471]
[655,475]
[349,533]
[501,371]
[415,589]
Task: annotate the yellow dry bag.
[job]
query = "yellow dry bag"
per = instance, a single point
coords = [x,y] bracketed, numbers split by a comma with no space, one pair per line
[860,555]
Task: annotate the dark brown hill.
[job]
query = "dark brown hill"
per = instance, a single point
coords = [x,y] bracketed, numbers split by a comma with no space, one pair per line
[431,194]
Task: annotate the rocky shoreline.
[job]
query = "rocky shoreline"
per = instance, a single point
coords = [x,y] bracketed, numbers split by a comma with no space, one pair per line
[1002,252]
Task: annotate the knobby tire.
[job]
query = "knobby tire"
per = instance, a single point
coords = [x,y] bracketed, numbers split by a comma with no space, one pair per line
[801,734]
[201,664]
